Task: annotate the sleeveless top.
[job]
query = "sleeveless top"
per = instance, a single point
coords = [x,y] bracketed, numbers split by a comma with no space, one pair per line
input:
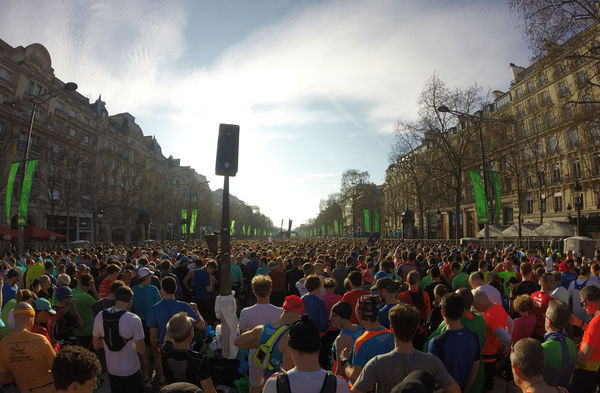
[276,355]
[352,333]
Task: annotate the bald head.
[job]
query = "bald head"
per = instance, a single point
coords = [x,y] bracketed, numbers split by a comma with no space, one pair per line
[481,301]
[24,316]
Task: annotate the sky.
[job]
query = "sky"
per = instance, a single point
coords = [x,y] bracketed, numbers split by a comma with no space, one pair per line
[315,86]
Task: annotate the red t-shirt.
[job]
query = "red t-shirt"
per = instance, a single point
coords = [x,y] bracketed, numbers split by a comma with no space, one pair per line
[39,329]
[104,288]
[424,309]
[540,305]
[352,298]
[495,318]
[447,271]
[524,327]
[330,299]
[591,337]
[278,278]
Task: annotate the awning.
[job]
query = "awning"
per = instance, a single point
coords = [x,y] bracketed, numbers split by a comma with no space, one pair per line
[555,229]
[495,231]
[8,234]
[37,233]
[527,230]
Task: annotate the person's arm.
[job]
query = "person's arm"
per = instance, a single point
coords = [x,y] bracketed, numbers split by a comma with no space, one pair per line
[140,347]
[351,371]
[504,339]
[585,352]
[287,363]
[153,337]
[210,287]
[201,323]
[207,386]
[97,341]
[472,374]
[250,339]
[343,342]
[454,388]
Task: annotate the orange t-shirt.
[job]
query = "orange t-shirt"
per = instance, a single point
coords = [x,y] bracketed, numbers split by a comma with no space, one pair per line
[495,318]
[591,337]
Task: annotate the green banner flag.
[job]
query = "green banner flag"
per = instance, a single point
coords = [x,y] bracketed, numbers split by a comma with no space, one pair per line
[322,230]
[367,217]
[26,191]
[480,200]
[497,196]
[193,221]
[255,233]
[264,232]
[232,230]
[376,224]
[183,221]
[12,175]
[336,227]
[244,229]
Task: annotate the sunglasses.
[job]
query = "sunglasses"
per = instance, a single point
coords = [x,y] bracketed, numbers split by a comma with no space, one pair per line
[583,303]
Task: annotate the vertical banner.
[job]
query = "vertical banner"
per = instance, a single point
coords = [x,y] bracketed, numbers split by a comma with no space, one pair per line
[376,224]
[336,227]
[244,229]
[264,232]
[480,199]
[367,217]
[255,232]
[26,191]
[232,230]
[497,196]
[322,230]
[193,221]
[12,175]
[183,221]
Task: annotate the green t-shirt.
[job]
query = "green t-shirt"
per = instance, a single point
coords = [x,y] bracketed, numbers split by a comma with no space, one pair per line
[461,280]
[236,273]
[553,353]
[84,302]
[10,305]
[505,276]
[474,323]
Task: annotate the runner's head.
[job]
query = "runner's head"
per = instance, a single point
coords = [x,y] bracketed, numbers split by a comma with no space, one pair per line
[404,320]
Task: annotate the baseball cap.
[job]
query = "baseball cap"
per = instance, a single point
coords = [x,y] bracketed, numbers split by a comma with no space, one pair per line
[304,335]
[181,387]
[143,272]
[293,303]
[367,307]
[63,292]
[42,304]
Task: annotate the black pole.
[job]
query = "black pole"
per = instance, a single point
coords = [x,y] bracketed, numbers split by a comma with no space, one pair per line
[224,266]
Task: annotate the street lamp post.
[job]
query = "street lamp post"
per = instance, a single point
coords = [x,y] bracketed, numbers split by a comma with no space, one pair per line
[477,120]
[22,221]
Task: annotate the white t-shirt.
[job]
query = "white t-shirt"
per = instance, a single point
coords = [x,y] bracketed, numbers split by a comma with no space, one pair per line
[492,293]
[305,382]
[125,362]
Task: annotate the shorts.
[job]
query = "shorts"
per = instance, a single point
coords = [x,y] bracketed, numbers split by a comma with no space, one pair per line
[255,374]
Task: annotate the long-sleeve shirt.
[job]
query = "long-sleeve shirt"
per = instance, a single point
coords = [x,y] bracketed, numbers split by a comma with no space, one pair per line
[316,310]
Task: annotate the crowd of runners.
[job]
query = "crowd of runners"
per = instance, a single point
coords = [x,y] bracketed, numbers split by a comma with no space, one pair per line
[327,315]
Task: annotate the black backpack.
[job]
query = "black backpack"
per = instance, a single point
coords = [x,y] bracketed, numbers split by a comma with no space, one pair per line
[329,384]
[113,340]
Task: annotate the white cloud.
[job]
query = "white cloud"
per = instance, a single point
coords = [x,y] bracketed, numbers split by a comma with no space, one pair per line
[364,63]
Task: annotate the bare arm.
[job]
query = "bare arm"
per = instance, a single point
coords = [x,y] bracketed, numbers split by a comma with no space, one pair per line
[250,339]
[154,337]
[97,341]
[186,281]
[207,386]
[140,346]
[454,388]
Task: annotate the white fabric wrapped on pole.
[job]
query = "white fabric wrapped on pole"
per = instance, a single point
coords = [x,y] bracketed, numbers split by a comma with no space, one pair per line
[225,308]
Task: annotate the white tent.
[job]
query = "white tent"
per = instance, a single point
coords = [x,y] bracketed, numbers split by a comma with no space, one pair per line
[555,229]
[527,230]
[495,231]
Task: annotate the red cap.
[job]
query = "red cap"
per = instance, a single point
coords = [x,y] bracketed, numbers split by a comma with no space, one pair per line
[293,303]
[563,267]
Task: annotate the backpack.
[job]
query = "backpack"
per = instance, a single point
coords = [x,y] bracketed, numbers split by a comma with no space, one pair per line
[560,376]
[579,287]
[262,356]
[112,338]
[329,384]
[58,327]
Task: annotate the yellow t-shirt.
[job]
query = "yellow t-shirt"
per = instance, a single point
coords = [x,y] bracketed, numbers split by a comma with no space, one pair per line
[28,357]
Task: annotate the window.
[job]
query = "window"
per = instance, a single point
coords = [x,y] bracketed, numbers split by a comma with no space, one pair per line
[531,105]
[530,87]
[543,79]
[545,98]
[563,89]
[568,112]
[86,139]
[508,184]
[528,179]
[36,89]
[519,93]
[556,173]
[22,141]
[86,201]
[578,60]
[576,168]
[54,194]
[539,149]
[596,163]
[5,74]
[559,69]
[72,132]
[59,106]
[523,129]
[526,154]
[73,113]
[552,145]
[581,79]
[535,125]
[558,203]
[529,206]
[572,139]
[86,121]
[520,110]
[594,132]
[56,151]
[550,119]
[54,173]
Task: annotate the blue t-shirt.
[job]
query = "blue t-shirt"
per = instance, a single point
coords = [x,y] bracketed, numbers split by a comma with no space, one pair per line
[370,344]
[8,293]
[458,350]
[316,310]
[384,315]
[144,297]
[383,273]
[161,313]
[201,281]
